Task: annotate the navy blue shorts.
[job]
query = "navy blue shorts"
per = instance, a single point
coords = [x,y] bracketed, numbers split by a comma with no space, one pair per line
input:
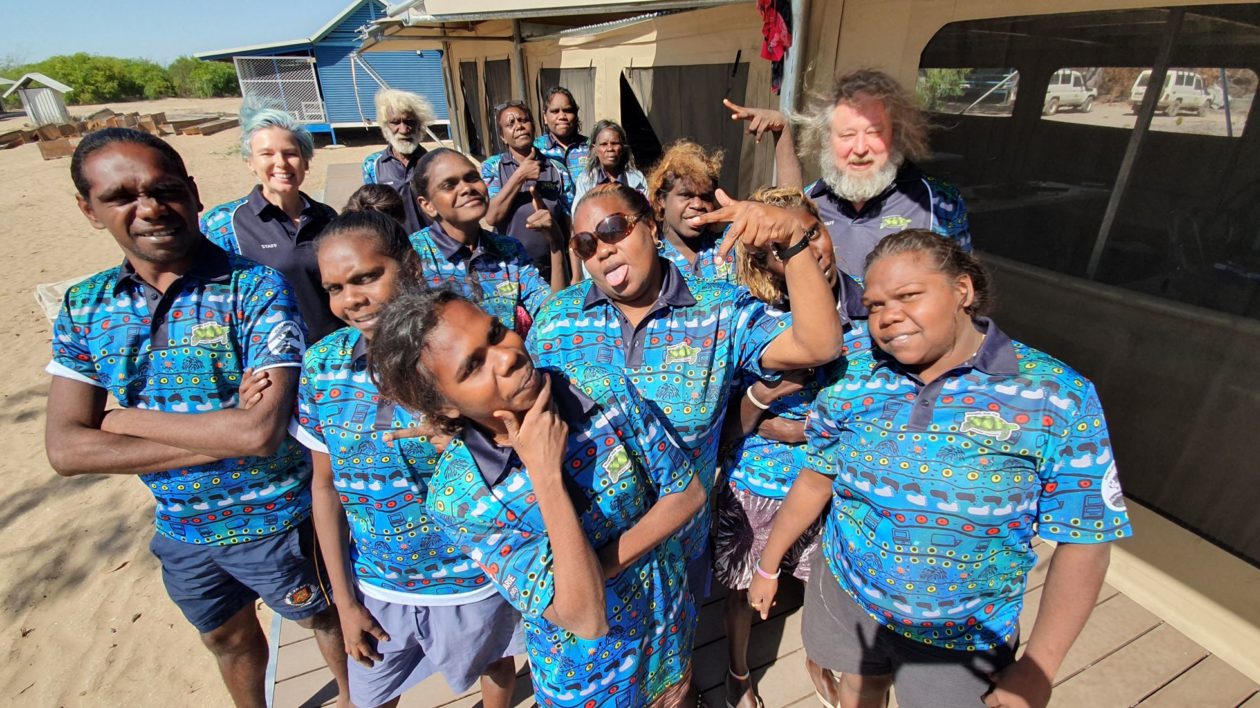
[212,583]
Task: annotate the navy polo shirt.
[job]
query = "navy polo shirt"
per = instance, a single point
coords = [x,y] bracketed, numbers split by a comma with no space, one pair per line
[262,232]
[553,185]
[383,168]
[913,201]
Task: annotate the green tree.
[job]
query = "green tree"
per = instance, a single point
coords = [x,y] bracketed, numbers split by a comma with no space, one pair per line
[202,79]
[150,78]
[936,85]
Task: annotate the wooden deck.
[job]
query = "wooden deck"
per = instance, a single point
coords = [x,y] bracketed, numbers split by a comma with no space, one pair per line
[1125,656]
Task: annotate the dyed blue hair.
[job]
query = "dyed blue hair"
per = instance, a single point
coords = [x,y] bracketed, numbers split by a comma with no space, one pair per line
[255,118]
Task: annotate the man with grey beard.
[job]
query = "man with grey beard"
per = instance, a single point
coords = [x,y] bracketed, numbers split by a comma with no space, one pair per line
[864,132]
[402,117]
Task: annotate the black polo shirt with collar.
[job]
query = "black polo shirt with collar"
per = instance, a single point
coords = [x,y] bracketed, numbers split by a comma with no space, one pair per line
[264,233]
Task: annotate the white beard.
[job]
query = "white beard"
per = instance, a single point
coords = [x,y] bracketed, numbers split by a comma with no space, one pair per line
[857,187]
[402,146]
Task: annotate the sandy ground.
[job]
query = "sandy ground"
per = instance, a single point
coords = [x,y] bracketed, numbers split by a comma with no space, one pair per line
[83,614]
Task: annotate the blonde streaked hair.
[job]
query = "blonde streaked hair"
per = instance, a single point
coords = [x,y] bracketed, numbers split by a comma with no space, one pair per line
[402,103]
[753,272]
[683,161]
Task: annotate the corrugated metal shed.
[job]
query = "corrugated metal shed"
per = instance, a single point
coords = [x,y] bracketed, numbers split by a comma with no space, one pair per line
[339,74]
[43,104]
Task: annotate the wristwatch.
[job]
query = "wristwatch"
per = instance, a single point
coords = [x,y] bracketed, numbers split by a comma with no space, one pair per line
[783,254]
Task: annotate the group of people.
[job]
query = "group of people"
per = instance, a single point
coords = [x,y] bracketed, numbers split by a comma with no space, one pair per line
[548,401]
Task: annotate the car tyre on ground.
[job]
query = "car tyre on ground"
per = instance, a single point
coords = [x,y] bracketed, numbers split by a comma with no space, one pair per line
[1052,107]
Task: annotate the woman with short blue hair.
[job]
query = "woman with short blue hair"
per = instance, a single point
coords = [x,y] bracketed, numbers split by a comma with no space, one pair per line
[276,223]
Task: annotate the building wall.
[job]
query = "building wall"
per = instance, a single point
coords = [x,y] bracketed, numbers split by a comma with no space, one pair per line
[348,91]
[709,36]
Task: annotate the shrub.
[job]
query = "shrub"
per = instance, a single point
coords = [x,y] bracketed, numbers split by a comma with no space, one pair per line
[97,79]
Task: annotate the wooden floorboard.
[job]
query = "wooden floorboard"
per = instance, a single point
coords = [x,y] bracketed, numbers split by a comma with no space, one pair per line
[1125,655]
[1210,682]
[1133,672]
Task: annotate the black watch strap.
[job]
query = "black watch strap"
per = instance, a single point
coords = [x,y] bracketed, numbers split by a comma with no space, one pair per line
[783,254]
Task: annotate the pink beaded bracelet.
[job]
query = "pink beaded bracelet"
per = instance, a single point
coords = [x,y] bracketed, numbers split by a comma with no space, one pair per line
[766,575]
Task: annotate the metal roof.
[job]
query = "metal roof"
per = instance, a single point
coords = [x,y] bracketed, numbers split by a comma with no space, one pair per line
[295,43]
[422,12]
[37,77]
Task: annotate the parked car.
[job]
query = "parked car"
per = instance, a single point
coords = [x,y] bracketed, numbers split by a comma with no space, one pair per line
[1183,91]
[1067,90]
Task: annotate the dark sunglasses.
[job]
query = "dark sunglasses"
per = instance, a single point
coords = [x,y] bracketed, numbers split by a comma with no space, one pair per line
[612,229]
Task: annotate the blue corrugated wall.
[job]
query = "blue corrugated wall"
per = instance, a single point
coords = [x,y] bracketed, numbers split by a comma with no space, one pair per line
[401,70]
[409,71]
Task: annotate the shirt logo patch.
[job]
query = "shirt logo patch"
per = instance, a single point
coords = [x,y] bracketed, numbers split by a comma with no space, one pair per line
[506,289]
[987,423]
[682,353]
[208,333]
[285,338]
[895,222]
[617,464]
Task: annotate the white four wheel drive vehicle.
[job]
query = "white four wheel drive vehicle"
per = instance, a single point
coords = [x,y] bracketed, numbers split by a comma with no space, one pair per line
[1067,90]
[1183,91]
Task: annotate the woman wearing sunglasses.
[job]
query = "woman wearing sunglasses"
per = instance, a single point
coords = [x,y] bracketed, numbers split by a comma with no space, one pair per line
[565,488]
[683,341]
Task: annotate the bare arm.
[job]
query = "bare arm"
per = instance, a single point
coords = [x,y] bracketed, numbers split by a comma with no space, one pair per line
[815,337]
[805,501]
[752,418]
[1072,584]
[666,516]
[358,626]
[787,165]
[76,445]
[539,438]
[230,432]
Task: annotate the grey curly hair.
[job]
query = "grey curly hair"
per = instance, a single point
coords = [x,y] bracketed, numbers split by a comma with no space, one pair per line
[910,126]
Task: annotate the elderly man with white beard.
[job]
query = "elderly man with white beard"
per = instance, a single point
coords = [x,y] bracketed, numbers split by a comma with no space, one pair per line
[866,131]
[402,117]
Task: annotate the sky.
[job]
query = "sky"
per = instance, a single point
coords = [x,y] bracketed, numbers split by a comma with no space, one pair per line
[159,31]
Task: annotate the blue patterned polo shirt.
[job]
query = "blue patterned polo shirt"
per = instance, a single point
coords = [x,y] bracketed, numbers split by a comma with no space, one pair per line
[498,275]
[397,553]
[553,186]
[768,467]
[706,265]
[573,157]
[683,358]
[618,460]
[183,351]
[939,489]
